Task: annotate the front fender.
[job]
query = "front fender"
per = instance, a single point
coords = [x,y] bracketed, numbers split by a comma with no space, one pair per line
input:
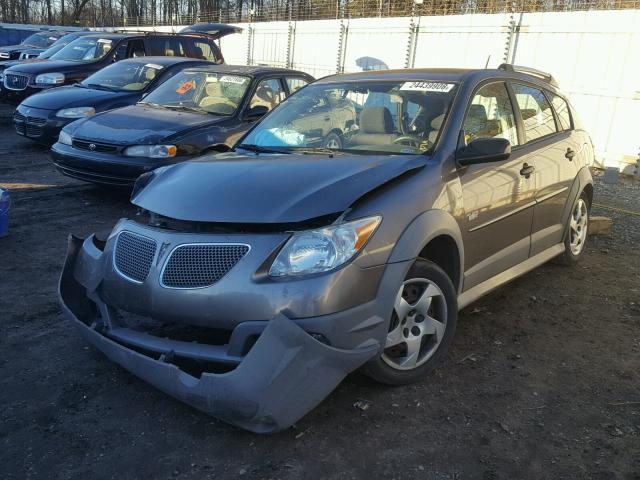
[424,228]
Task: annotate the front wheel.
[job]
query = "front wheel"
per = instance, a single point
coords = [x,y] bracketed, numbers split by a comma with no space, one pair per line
[421,329]
[333,141]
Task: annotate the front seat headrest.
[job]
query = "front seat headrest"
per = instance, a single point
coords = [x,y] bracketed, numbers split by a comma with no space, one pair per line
[376,120]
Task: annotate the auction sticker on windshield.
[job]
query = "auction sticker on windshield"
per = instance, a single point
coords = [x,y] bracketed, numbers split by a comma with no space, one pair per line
[428,86]
[233,79]
[186,86]
[154,65]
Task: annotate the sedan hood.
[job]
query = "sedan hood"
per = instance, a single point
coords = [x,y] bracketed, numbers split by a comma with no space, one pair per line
[282,188]
[137,124]
[67,97]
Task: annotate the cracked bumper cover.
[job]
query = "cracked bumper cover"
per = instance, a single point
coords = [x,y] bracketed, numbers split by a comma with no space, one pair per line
[284,375]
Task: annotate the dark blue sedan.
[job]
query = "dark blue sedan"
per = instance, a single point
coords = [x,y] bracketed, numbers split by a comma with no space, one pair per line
[40,117]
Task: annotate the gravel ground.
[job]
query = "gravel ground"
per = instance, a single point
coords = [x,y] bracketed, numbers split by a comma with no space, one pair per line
[542,380]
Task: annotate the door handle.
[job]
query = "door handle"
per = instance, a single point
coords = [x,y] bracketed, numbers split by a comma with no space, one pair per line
[570,154]
[326,119]
[527,170]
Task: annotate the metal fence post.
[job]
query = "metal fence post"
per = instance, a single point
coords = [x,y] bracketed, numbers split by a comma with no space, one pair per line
[342,46]
[412,43]
[291,40]
[249,45]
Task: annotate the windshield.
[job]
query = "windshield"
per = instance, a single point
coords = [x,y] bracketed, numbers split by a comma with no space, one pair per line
[40,40]
[201,91]
[124,76]
[401,117]
[84,50]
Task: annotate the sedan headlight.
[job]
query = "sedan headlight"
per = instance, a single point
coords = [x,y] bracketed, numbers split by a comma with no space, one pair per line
[4,55]
[64,138]
[50,79]
[321,250]
[77,112]
[151,151]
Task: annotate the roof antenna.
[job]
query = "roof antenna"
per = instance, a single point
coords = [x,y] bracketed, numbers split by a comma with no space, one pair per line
[486,65]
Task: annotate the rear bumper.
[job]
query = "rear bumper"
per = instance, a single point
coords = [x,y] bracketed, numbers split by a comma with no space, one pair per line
[284,375]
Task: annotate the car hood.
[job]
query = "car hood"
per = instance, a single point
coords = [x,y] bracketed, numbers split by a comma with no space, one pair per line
[46,66]
[71,96]
[139,124]
[281,188]
[12,48]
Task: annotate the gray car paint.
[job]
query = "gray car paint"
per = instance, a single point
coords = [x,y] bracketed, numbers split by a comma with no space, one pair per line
[420,198]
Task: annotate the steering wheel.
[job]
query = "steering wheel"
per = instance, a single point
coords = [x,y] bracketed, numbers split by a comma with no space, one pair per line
[409,140]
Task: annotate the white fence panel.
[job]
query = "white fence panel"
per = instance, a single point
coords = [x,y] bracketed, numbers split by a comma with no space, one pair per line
[376,44]
[269,44]
[463,41]
[315,47]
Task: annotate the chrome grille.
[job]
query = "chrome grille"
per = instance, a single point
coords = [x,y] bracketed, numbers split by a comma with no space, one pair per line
[15,81]
[133,255]
[97,147]
[201,265]
[29,126]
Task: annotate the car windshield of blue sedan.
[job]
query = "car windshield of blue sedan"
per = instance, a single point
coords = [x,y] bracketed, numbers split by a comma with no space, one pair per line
[201,91]
[396,117]
[124,76]
[84,50]
[40,40]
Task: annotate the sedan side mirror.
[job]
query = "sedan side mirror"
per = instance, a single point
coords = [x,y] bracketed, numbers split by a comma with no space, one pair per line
[484,150]
[255,113]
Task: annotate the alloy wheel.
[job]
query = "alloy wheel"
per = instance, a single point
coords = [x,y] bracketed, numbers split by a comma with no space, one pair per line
[578,227]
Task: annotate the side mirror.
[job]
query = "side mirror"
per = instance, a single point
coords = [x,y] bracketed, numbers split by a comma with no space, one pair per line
[484,150]
[255,113]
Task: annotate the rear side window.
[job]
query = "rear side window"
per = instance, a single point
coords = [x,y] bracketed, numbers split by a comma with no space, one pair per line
[165,46]
[562,111]
[202,49]
[490,115]
[536,112]
[295,83]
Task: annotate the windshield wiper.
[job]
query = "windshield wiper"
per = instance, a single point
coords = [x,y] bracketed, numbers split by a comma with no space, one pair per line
[259,149]
[319,150]
[186,109]
[152,104]
[98,86]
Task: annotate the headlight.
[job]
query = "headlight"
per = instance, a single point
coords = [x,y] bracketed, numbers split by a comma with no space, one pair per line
[50,79]
[77,112]
[151,151]
[4,55]
[316,251]
[64,138]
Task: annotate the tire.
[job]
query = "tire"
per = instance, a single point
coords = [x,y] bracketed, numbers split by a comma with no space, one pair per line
[431,336]
[333,141]
[577,231]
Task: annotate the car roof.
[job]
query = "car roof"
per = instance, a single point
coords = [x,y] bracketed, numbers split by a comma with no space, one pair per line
[252,70]
[164,61]
[438,74]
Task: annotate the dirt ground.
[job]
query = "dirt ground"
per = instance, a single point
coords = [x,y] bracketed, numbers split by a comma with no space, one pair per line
[543,380]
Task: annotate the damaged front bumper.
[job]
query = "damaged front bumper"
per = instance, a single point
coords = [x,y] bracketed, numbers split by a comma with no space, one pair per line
[284,375]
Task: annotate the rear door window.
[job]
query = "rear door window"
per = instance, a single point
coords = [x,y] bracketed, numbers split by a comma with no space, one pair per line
[536,112]
[165,46]
[562,111]
[295,83]
[202,49]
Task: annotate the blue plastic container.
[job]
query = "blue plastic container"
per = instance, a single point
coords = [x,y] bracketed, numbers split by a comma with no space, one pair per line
[5,202]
